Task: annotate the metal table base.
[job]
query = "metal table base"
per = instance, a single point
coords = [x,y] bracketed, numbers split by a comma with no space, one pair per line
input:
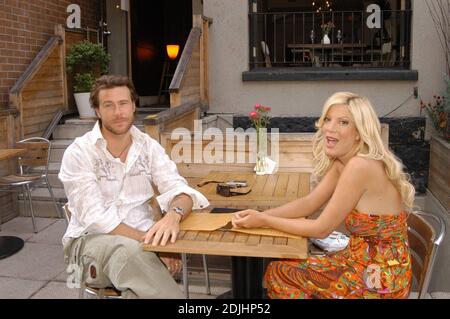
[9,245]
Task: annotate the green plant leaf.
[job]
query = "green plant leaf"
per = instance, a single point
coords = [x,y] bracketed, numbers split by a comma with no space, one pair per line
[87,61]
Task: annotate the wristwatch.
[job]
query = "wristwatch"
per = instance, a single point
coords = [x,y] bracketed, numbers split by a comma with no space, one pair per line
[178,210]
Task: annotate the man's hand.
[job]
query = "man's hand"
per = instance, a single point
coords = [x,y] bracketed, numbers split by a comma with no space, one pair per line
[166,228]
[249,218]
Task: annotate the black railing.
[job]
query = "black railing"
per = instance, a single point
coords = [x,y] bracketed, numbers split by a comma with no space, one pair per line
[357,39]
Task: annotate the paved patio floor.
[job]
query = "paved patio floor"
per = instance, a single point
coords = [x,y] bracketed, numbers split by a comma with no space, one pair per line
[38,271]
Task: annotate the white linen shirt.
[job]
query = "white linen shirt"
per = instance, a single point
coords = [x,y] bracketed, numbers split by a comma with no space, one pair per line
[103,192]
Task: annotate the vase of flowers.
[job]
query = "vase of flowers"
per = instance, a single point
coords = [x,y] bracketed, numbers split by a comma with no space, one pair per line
[326,29]
[260,118]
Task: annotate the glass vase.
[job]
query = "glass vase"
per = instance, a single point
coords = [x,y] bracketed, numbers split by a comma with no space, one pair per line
[326,39]
[261,151]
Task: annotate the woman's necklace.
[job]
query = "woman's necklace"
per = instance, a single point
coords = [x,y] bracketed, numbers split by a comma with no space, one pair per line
[123,151]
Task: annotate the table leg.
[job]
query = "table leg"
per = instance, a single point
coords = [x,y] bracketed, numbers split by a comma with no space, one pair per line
[247,276]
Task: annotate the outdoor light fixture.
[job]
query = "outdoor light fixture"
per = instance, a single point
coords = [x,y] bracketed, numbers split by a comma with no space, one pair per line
[322,5]
[172,51]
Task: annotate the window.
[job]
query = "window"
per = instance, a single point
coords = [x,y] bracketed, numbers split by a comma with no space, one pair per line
[359,34]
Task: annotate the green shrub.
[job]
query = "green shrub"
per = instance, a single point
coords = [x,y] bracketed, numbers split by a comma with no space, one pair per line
[87,61]
[83,82]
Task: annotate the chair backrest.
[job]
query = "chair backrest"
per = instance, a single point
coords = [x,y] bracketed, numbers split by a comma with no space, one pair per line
[266,54]
[38,152]
[423,244]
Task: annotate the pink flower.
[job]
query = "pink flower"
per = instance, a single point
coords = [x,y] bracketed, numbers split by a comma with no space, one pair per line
[260,116]
[254,115]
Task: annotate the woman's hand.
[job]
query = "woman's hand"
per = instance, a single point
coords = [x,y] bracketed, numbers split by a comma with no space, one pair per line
[248,218]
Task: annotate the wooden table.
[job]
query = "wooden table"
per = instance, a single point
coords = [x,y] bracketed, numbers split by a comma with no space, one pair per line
[319,46]
[230,243]
[9,245]
[267,191]
[327,48]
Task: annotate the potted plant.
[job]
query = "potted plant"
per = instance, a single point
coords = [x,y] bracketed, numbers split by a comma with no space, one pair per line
[86,61]
[438,113]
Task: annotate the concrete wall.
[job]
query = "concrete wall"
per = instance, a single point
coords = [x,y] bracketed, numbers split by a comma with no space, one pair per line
[229,56]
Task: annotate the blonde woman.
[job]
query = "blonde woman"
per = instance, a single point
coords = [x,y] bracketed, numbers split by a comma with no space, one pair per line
[363,184]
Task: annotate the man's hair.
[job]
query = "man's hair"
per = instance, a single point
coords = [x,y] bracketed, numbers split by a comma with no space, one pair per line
[109,82]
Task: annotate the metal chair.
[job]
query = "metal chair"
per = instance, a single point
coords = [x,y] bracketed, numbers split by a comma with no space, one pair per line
[37,155]
[423,244]
[113,293]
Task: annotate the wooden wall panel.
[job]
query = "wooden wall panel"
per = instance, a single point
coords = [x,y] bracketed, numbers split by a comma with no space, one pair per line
[439,175]
[44,95]
[8,201]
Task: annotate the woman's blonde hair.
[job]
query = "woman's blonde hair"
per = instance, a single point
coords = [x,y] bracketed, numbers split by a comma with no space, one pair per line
[370,143]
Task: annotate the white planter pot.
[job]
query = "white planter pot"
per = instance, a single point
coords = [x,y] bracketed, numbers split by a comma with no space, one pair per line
[84,107]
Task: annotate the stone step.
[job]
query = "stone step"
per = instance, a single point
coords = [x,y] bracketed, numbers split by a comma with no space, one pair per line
[42,208]
[58,149]
[81,121]
[71,131]
[53,171]
[54,181]
[74,130]
[42,202]
[42,193]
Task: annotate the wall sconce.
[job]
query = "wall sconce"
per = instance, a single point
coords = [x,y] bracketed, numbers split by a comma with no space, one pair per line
[172,51]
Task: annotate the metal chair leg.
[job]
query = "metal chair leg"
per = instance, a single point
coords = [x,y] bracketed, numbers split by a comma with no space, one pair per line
[185,276]
[205,269]
[24,199]
[58,211]
[31,208]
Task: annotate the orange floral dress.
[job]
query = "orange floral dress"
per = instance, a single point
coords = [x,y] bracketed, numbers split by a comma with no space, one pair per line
[375,264]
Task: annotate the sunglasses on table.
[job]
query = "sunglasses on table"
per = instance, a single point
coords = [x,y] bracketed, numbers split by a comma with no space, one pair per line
[226,190]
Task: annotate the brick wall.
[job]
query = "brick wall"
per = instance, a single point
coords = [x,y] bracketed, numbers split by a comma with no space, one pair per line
[25,27]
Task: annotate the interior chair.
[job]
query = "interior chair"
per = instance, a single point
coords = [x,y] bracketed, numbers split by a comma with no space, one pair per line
[37,155]
[113,293]
[266,54]
[387,54]
[423,245]
[305,55]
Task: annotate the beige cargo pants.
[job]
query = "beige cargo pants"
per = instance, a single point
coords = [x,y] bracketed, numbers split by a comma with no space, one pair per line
[106,260]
